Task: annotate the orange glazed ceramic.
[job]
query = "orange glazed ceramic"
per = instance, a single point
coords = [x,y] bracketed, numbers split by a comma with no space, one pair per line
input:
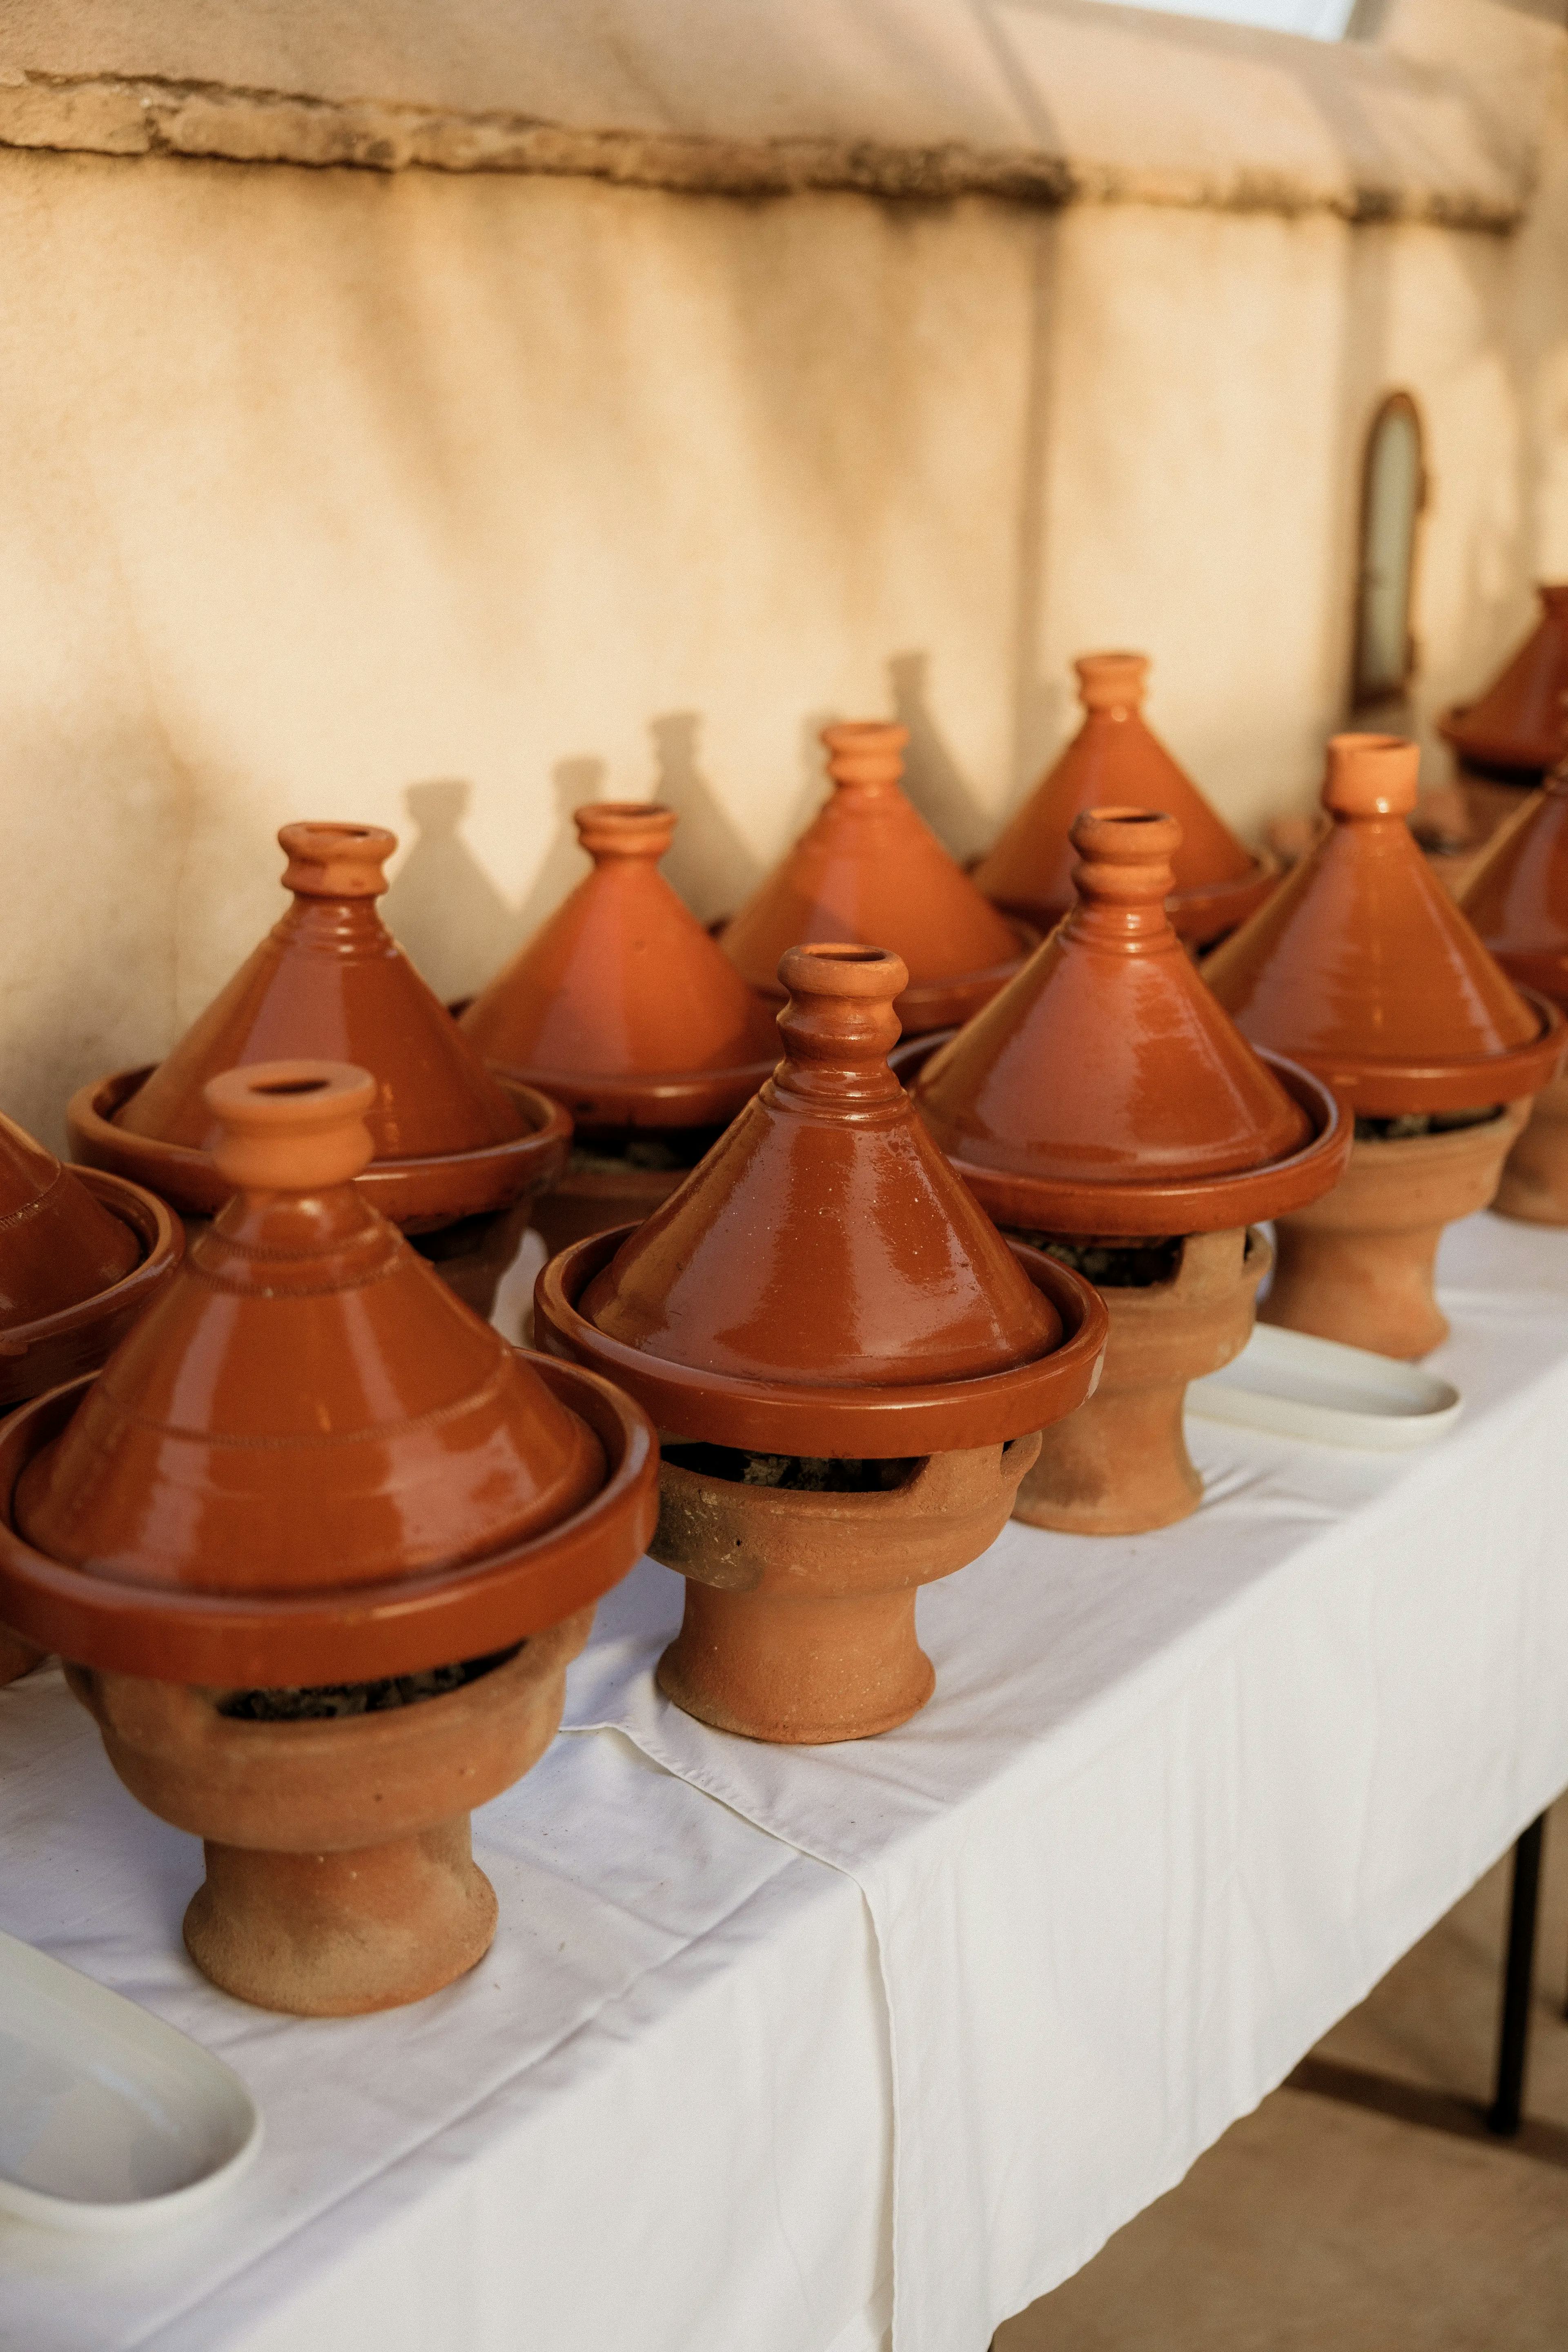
[1362,968]
[869,869]
[819,1310]
[1518,727]
[1116,760]
[1518,901]
[1105,1095]
[624,1009]
[451,1141]
[310,1469]
[621,1006]
[82,1255]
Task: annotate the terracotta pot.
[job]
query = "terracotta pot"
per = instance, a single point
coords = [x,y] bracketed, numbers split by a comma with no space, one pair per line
[869,870]
[340,1875]
[622,1008]
[1534,1186]
[310,1464]
[1517,727]
[1358,1267]
[1106,1095]
[452,1141]
[62,1232]
[823,1288]
[1119,1465]
[1517,898]
[1362,967]
[1116,761]
[799,1624]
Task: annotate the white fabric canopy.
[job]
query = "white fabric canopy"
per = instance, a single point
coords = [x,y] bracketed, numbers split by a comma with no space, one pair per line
[1179,1801]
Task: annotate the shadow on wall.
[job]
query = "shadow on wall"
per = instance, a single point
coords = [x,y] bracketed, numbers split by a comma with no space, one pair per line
[442,907]
[709,863]
[932,778]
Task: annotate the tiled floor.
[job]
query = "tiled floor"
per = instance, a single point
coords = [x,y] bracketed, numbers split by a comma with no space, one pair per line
[1397,2225]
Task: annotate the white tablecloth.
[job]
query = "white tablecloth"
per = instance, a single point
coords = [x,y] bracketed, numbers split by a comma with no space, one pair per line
[1179,1801]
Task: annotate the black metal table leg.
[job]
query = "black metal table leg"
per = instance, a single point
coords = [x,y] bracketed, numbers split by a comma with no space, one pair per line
[1518,1970]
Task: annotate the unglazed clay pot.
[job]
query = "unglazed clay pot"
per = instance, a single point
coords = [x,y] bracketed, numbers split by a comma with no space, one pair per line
[869,869]
[1518,727]
[311,1488]
[1115,761]
[624,1011]
[458,1152]
[1518,900]
[850,1362]
[82,1255]
[1362,968]
[1104,1107]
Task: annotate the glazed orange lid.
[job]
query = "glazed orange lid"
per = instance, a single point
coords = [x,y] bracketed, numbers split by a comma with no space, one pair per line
[869,869]
[1104,1090]
[59,1245]
[621,1006]
[308,1411]
[1517,897]
[1519,724]
[1362,967]
[1115,760]
[823,1259]
[329,980]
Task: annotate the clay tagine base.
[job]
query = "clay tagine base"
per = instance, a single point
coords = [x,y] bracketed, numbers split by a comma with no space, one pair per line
[1358,1266]
[1534,1185]
[339,1877]
[800,1606]
[1120,1465]
[17,1657]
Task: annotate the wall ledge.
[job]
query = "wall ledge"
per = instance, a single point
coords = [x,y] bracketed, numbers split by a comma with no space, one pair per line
[1078,103]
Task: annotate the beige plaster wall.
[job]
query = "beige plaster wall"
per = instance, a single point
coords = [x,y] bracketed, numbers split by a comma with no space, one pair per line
[448,500]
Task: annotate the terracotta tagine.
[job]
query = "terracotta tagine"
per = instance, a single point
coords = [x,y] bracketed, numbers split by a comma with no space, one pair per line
[1115,760]
[320,1546]
[1103,1108]
[82,1255]
[849,1366]
[1518,901]
[624,1011]
[1518,727]
[458,1152]
[1362,967]
[867,868]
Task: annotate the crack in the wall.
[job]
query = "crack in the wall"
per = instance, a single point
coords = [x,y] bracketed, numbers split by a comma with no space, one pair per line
[143,115]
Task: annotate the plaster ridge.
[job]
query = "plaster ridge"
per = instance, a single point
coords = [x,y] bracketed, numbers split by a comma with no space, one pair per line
[146,114]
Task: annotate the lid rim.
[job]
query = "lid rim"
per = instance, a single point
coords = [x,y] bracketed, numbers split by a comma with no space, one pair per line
[439,1186]
[1389,1088]
[865,1422]
[361,1632]
[701,1098]
[99,1319]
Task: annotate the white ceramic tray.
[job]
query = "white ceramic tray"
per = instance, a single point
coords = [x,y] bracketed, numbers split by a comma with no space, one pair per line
[1299,1386]
[109,2120]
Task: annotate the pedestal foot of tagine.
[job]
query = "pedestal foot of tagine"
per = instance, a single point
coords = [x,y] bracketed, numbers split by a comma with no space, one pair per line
[338,1873]
[800,1606]
[1535,1176]
[1358,1266]
[1120,1465]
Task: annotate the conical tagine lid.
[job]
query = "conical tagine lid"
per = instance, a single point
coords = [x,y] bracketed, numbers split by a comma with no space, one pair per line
[329,980]
[307,1406]
[1116,760]
[1362,967]
[869,869]
[823,1240]
[58,1244]
[1106,1066]
[1520,724]
[1518,897]
[622,1007]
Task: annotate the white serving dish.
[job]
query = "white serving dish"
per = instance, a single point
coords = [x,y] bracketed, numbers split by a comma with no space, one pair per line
[109,2120]
[1299,1386]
